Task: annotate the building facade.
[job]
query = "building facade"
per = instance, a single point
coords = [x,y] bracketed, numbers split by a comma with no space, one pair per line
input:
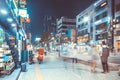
[11,33]
[99,25]
[64,28]
[85,26]
[116,16]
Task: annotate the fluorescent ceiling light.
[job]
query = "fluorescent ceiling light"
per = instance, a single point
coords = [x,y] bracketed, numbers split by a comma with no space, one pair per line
[3,11]
[13,24]
[9,19]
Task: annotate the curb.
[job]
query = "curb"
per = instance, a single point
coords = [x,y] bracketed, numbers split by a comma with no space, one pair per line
[18,75]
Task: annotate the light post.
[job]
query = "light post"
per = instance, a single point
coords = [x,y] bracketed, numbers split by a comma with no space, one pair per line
[114,22]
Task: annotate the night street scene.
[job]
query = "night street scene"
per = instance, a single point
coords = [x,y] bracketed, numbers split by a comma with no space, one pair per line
[59,39]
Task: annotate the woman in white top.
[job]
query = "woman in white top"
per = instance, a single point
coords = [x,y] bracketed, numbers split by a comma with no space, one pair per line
[94,58]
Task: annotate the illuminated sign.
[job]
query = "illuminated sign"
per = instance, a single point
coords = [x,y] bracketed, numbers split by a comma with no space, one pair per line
[14,7]
[103,4]
[23,13]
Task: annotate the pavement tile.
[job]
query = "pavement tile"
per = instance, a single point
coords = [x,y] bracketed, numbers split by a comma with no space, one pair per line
[13,76]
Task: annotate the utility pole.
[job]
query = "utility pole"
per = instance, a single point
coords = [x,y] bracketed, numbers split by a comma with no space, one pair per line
[113,17]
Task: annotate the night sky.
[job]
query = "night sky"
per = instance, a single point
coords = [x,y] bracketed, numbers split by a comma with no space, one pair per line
[37,9]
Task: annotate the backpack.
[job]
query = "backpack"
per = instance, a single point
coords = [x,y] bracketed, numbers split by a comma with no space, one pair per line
[105,51]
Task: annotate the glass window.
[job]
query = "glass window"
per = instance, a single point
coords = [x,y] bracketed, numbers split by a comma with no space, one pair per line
[104,14]
[78,19]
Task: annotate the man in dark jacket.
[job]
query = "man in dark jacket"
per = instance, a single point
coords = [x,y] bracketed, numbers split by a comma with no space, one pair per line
[104,53]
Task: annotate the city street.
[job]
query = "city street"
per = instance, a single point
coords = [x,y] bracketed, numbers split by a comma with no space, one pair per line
[53,68]
[41,39]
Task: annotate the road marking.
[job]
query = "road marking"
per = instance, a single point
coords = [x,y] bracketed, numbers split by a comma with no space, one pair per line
[38,73]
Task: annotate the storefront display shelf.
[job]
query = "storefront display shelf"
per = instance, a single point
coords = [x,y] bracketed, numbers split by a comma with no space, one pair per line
[6,60]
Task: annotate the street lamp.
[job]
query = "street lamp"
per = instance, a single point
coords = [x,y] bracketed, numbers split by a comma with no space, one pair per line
[114,22]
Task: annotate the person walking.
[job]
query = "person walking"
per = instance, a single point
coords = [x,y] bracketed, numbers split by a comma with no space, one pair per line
[74,54]
[94,57]
[104,54]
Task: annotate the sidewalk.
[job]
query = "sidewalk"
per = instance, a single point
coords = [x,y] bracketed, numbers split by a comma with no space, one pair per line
[113,61]
[13,76]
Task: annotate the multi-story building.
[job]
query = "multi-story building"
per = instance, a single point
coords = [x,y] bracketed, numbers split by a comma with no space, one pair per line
[84,25]
[64,27]
[49,24]
[102,21]
[99,16]
[116,24]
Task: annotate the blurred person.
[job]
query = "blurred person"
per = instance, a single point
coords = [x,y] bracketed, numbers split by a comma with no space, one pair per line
[89,50]
[104,54]
[41,52]
[94,58]
[74,54]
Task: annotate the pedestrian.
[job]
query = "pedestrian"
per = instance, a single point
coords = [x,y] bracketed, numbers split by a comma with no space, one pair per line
[74,54]
[89,50]
[104,54]
[94,58]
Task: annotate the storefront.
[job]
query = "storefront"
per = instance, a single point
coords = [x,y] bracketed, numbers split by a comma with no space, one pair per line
[83,42]
[7,63]
[117,38]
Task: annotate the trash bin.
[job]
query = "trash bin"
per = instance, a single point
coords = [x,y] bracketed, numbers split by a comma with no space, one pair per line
[23,67]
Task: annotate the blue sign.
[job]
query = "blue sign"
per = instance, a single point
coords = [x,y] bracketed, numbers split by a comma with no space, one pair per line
[69,32]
